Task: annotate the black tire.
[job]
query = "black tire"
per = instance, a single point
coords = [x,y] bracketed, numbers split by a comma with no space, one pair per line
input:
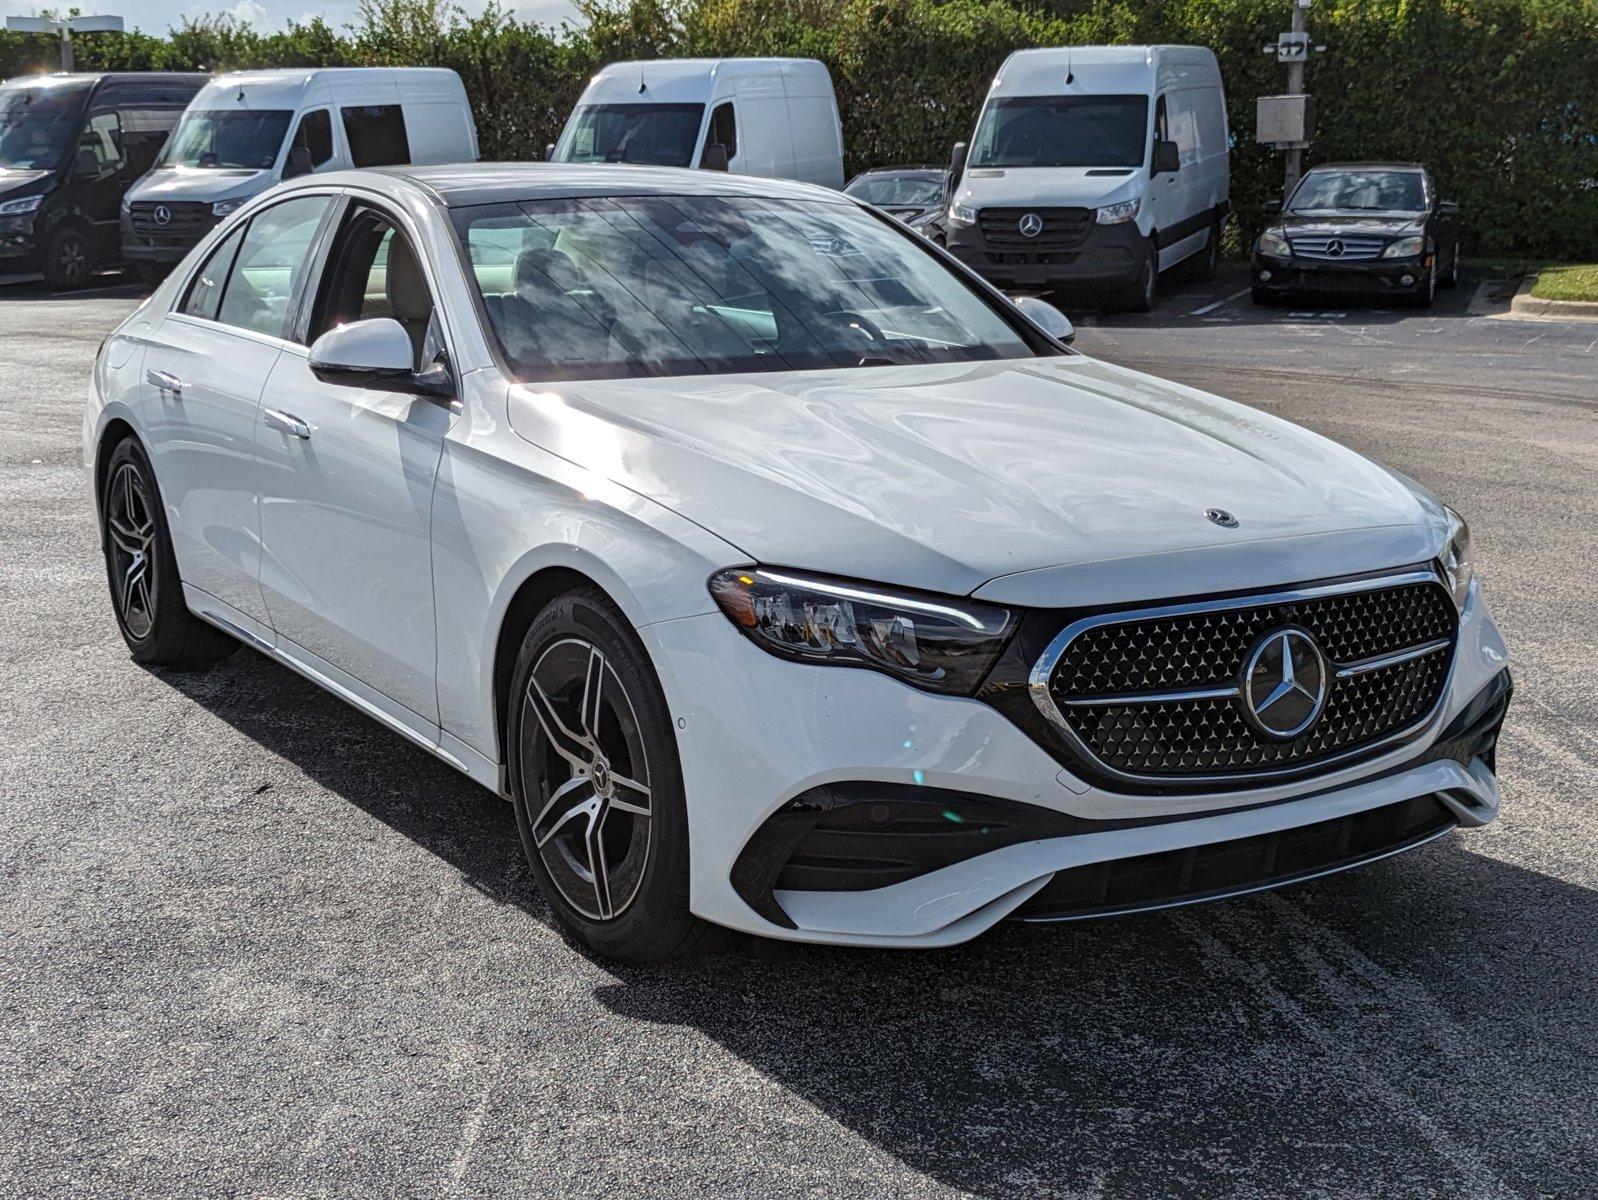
[1201,267]
[613,788]
[68,262]
[1428,290]
[1139,296]
[146,592]
[1451,280]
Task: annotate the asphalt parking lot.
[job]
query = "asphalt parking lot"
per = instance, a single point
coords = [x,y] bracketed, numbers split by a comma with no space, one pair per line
[253,944]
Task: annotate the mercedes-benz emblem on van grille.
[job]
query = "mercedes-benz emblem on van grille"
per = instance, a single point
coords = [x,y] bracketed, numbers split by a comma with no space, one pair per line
[1221,517]
[1334,248]
[162,214]
[1030,225]
[1284,683]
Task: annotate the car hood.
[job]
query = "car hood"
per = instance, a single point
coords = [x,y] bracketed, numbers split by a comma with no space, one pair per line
[1072,187]
[1352,222]
[948,477]
[208,185]
[13,179]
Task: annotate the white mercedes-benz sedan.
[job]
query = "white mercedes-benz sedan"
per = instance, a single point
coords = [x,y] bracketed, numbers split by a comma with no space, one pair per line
[782,574]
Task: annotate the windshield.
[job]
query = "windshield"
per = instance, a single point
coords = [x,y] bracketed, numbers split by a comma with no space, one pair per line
[1374,191]
[1062,131]
[695,285]
[918,189]
[236,138]
[37,124]
[662,135]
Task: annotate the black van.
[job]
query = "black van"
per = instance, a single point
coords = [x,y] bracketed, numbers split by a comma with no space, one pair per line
[70,146]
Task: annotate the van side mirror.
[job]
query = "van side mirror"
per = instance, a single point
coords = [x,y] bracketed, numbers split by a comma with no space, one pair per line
[376,353]
[714,157]
[1047,318]
[1273,208]
[1167,160]
[299,163]
[549,151]
[957,163]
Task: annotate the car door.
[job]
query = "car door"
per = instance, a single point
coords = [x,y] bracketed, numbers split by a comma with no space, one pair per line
[205,365]
[347,481]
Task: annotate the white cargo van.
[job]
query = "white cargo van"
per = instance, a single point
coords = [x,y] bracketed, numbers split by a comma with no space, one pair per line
[776,117]
[247,130]
[1095,166]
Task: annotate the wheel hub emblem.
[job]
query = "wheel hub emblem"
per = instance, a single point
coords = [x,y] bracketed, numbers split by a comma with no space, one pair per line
[601,776]
[1284,683]
[1334,248]
[1030,225]
[162,214]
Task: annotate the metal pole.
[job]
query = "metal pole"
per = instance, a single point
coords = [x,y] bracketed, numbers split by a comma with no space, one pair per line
[1295,87]
[66,46]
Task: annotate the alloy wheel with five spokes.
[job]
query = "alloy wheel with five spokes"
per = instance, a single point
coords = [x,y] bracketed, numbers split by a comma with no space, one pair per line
[130,528]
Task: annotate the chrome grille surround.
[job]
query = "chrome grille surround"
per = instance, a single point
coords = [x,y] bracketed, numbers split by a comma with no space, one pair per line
[1153,696]
[1355,249]
[1063,228]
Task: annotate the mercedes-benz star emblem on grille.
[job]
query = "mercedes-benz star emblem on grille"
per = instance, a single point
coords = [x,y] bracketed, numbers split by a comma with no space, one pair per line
[162,215]
[1221,517]
[1334,248]
[1030,225]
[1284,683]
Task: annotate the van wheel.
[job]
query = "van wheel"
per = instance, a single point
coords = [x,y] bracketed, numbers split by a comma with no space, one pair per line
[1202,266]
[68,259]
[1140,296]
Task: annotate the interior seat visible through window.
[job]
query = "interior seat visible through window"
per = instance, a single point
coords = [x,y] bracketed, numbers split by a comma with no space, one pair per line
[375,272]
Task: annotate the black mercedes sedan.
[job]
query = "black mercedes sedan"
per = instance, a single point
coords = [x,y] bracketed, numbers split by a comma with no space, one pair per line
[918,196]
[1375,229]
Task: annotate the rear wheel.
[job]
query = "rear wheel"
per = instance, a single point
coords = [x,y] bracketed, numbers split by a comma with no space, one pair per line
[597,786]
[68,259]
[146,593]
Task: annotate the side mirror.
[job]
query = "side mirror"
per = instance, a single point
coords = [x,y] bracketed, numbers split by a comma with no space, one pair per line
[714,157]
[549,151]
[957,163]
[1047,318]
[376,353]
[1167,159]
[299,163]
[1273,208]
[1448,207]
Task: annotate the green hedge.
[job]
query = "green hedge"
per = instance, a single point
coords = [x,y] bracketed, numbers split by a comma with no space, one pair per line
[1500,97]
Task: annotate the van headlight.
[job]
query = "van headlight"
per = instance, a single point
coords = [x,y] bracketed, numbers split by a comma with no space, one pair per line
[959,214]
[15,208]
[1458,565]
[1119,214]
[1273,242]
[222,207]
[941,643]
[1405,247]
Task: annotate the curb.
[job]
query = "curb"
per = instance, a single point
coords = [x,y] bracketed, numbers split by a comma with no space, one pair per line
[1525,304]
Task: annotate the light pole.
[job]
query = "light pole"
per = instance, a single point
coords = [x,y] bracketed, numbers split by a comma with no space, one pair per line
[66,28]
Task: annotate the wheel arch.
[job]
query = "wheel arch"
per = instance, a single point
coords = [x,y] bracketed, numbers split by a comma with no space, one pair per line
[115,431]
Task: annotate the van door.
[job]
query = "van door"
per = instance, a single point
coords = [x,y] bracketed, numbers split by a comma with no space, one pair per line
[767,148]
[1180,227]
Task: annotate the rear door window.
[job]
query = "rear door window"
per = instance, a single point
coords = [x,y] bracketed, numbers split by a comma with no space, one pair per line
[376,134]
[261,285]
[205,289]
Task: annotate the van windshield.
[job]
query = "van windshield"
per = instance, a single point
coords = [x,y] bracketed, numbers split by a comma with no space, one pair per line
[1062,131]
[226,137]
[37,124]
[661,135]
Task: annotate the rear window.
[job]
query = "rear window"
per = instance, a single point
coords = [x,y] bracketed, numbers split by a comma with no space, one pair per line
[376,134]
[666,285]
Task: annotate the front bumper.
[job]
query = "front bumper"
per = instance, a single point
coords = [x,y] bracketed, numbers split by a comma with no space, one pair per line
[165,249]
[1109,256]
[757,732]
[1367,277]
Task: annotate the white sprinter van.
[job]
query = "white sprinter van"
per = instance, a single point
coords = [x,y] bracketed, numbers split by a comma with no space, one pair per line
[776,117]
[247,130]
[1094,167]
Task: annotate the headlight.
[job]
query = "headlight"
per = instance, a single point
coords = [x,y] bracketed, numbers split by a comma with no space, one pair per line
[959,214]
[1119,214]
[222,207]
[1274,243]
[1458,565]
[935,642]
[1406,247]
[27,204]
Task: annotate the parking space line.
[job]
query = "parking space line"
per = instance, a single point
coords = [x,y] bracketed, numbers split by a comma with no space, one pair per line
[1199,312]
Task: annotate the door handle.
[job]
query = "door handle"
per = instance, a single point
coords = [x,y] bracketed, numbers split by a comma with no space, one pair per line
[287,422]
[165,381]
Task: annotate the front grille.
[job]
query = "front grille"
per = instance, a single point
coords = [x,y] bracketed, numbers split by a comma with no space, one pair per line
[1063,228]
[1337,249]
[1157,696]
[185,217]
[1248,864]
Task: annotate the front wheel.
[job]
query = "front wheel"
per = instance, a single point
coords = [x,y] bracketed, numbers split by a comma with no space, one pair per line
[1451,280]
[596,783]
[1140,296]
[1203,265]
[1428,289]
[68,259]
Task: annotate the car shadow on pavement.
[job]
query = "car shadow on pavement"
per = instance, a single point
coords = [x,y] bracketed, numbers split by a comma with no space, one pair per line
[1394,1030]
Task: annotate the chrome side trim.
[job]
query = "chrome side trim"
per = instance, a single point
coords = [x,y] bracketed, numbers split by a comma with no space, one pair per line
[1038,678]
[1392,660]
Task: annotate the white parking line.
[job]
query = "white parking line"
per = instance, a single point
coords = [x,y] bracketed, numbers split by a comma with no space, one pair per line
[1199,312]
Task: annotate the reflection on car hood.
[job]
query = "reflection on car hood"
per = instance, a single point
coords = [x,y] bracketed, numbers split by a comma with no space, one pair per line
[12,178]
[1385,225]
[1071,187]
[204,184]
[944,477]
